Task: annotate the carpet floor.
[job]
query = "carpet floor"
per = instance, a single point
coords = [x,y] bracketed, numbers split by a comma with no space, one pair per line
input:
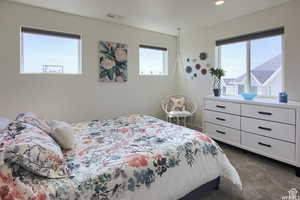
[262,178]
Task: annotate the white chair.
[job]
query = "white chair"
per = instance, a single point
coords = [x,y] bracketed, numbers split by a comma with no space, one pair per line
[187,113]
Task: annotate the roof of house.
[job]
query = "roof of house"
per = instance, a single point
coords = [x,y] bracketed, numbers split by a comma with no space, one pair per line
[229,81]
[262,73]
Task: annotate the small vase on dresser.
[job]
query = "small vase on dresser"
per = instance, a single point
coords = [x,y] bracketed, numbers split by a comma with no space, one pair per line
[262,126]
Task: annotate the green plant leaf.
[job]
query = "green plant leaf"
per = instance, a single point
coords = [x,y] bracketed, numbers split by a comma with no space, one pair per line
[103,74]
[110,74]
[118,72]
[104,46]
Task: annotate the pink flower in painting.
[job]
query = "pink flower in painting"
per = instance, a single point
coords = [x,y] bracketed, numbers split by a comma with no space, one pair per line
[119,79]
[109,44]
[203,137]
[137,160]
[107,63]
[121,55]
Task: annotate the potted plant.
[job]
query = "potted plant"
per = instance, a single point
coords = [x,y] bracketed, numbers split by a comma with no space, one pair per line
[217,74]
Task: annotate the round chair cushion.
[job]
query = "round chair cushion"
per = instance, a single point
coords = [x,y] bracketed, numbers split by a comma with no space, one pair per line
[183,113]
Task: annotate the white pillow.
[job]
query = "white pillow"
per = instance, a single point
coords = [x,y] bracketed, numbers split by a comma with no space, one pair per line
[62,133]
[4,122]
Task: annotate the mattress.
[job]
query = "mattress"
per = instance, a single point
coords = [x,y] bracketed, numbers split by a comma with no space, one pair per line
[134,157]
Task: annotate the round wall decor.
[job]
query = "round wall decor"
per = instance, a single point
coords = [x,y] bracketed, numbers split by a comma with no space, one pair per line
[203,56]
[204,71]
[188,69]
[198,66]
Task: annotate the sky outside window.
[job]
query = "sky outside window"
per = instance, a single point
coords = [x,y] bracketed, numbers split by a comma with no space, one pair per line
[265,66]
[152,62]
[40,50]
[233,59]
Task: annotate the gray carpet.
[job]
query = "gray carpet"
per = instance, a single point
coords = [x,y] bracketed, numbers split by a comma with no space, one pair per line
[262,178]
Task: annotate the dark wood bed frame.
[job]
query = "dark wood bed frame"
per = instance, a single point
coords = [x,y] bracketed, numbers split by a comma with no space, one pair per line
[204,189]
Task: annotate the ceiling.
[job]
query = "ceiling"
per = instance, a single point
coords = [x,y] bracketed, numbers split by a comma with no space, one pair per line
[158,15]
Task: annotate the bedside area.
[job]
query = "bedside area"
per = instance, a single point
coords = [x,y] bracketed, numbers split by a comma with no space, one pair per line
[262,126]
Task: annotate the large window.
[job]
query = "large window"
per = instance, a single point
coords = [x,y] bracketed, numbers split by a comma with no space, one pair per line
[153,60]
[48,52]
[252,63]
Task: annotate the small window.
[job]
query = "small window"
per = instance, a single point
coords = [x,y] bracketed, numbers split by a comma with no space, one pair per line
[252,63]
[153,60]
[48,52]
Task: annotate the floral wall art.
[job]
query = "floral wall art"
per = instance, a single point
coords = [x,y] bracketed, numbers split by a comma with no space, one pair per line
[112,62]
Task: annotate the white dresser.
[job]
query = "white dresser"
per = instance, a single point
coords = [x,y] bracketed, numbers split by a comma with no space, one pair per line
[262,126]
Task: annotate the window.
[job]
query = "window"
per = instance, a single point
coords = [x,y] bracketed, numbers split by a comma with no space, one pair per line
[153,60]
[48,52]
[252,63]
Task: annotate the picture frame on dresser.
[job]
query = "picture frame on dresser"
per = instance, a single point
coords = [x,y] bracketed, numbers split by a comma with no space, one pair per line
[262,126]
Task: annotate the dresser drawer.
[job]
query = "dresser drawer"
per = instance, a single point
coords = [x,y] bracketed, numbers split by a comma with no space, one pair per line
[226,107]
[269,113]
[271,129]
[269,147]
[222,133]
[223,119]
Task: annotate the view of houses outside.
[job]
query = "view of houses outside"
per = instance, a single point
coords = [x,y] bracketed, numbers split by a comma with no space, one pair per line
[266,67]
[53,68]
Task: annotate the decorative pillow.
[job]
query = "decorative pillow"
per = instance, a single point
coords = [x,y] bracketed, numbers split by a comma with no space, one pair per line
[4,122]
[177,103]
[62,133]
[34,150]
[34,120]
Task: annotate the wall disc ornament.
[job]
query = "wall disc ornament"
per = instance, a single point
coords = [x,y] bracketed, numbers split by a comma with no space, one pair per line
[204,71]
[203,56]
[198,66]
[188,69]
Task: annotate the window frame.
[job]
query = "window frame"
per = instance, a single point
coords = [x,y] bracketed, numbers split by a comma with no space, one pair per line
[248,38]
[165,60]
[47,32]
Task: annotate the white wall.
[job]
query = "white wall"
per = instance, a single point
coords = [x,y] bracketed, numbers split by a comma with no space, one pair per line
[286,15]
[77,97]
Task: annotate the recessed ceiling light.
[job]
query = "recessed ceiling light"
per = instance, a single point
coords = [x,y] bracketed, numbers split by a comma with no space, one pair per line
[219,2]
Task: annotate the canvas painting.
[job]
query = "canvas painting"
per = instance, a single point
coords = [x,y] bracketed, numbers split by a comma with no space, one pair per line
[112,62]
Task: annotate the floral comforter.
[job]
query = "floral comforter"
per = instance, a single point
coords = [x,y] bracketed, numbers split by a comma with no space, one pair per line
[127,158]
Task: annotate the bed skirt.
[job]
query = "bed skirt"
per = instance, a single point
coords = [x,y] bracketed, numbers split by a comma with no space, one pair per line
[204,189]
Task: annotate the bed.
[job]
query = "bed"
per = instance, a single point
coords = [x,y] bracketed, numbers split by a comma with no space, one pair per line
[128,158]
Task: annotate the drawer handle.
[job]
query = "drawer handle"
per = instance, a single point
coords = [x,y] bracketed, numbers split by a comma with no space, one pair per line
[221,132]
[219,106]
[220,119]
[263,144]
[264,113]
[264,128]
